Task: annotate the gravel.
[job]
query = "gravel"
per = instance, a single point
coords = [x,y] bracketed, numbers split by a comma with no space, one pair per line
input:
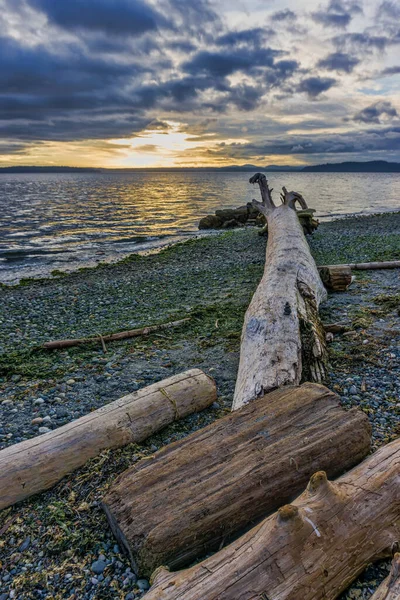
[58,544]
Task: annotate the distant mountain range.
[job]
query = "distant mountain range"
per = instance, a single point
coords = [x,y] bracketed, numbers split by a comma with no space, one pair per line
[373,166]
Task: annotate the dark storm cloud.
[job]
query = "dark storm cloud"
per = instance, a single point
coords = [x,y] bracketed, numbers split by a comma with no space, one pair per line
[29,70]
[224,63]
[130,17]
[284,15]
[390,71]
[362,42]
[314,86]
[339,61]
[375,112]
[248,37]
[338,13]
[373,140]
[65,95]
[281,71]
[112,16]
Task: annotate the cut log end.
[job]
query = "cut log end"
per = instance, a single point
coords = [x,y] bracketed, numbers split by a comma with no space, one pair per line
[336,278]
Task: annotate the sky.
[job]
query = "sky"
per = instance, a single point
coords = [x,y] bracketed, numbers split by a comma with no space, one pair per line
[162,83]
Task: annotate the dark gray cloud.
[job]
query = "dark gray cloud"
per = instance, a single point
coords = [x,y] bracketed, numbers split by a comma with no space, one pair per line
[375,112]
[373,140]
[362,42]
[338,13]
[390,71]
[339,61]
[112,16]
[224,63]
[248,37]
[314,86]
[284,15]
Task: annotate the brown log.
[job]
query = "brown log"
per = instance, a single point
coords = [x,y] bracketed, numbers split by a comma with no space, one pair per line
[37,464]
[193,495]
[283,341]
[336,327]
[390,588]
[311,549]
[389,264]
[121,335]
[336,278]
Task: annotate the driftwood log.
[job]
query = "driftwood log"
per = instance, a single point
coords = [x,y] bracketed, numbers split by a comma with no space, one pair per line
[390,588]
[283,340]
[311,549]
[336,278]
[121,335]
[388,264]
[194,494]
[37,464]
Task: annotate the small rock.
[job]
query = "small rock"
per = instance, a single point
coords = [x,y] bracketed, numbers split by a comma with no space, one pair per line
[70,381]
[25,544]
[37,421]
[98,566]
[44,429]
[143,584]
[38,401]
[353,390]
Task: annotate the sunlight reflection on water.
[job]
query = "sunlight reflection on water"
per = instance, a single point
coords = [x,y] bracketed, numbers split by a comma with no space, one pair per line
[64,221]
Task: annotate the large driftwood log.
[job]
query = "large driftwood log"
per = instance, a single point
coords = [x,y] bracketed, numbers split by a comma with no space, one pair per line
[390,588]
[38,463]
[311,549]
[193,495]
[283,340]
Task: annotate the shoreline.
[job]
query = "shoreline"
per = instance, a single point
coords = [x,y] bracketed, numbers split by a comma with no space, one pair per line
[63,531]
[197,234]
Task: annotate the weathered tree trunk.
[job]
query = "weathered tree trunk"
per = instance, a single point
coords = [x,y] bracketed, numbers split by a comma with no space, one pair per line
[223,478]
[283,340]
[38,463]
[336,279]
[311,549]
[390,588]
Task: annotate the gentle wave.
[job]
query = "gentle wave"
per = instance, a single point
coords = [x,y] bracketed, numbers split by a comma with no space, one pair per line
[65,221]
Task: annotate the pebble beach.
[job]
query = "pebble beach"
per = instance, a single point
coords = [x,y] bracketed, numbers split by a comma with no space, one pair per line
[57,545]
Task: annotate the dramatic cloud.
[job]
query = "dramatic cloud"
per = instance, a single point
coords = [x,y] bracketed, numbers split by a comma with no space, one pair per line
[339,61]
[284,15]
[115,74]
[338,13]
[221,64]
[391,71]
[314,86]
[246,37]
[111,16]
[375,112]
